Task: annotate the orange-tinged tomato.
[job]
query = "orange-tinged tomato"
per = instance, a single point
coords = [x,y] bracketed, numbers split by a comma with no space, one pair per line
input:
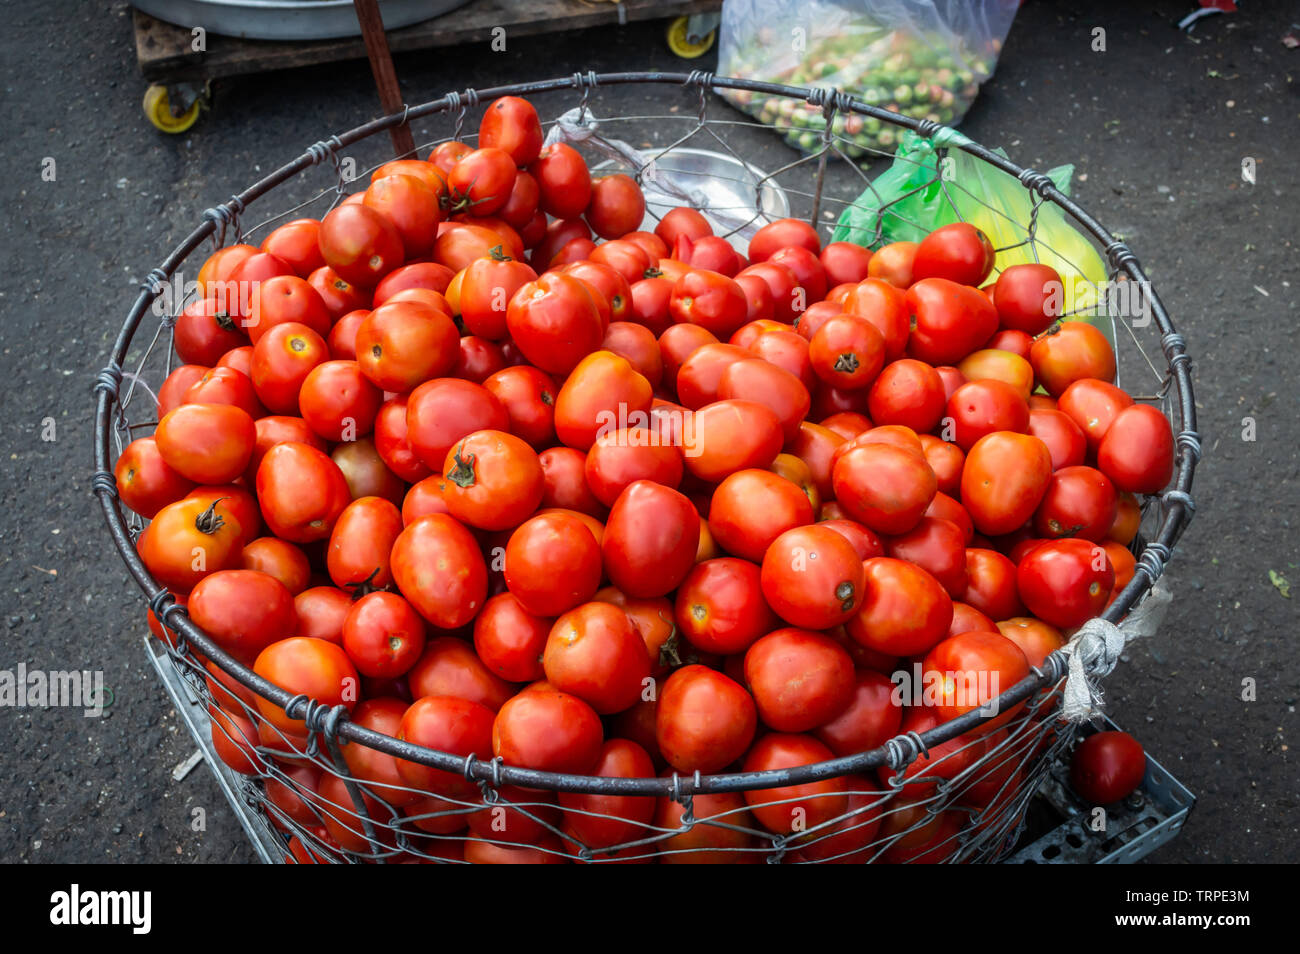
[439,568]
[189,539]
[301,492]
[315,668]
[206,443]
[603,393]
[402,344]
[1005,477]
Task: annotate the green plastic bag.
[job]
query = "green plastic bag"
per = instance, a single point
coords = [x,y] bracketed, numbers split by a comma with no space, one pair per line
[911,199]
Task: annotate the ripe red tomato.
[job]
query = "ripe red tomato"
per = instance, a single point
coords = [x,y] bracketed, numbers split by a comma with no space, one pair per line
[651,539]
[813,577]
[622,457]
[907,392]
[437,565]
[1028,297]
[145,482]
[563,180]
[791,809]
[304,666]
[938,546]
[361,542]
[360,244]
[282,359]
[404,343]
[449,667]
[206,443]
[904,610]
[951,320]
[711,300]
[204,331]
[799,679]
[783,233]
[682,221]
[721,608]
[1036,639]
[1065,440]
[1068,351]
[338,402]
[1003,481]
[481,182]
[446,724]
[548,730]
[280,559]
[442,411]
[726,840]
[595,653]
[1079,502]
[617,206]
[1065,582]
[886,307]
[602,820]
[301,492]
[552,564]
[705,721]
[412,205]
[554,322]
[510,640]
[958,252]
[1107,767]
[511,124]
[869,720]
[726,436]
[847,352]
[244,611]
[602,394]
[1137,451]
[845,263]
[383,635]
[321,611]
[226,385]
[1093,406]
[338,295]
[751,508]
[494,480]
[973,669]
[981,407]
[885,487]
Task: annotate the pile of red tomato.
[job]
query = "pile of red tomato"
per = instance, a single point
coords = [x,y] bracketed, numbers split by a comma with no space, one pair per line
[479,460]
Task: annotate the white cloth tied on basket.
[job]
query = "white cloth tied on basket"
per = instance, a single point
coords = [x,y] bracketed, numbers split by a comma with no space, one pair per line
[1095,648]
[661,186]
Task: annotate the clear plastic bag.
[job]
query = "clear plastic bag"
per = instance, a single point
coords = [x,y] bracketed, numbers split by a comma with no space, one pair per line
[921,58]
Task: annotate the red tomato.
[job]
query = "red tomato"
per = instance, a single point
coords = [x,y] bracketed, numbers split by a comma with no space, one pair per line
[206,443]
[904,610]
[710,300]
[446,724]
[1065,582]
[958,252]
[730,435]
[907,392]
[885,487]
[338,295]
[427,276]
[552,564]
[338,401]
[442,411]
[321,611]
[938,546]
[481,182]
[511,124]
[449,667]
[510,640]
[721,608]
[595,653]
[172,392]
[303,666]
[636,344]
[973,669]
[566,482]
[1137,451]
[1036,639]
[602,820]
[403,344]
[812,577]
[705,721]
[869,720]
[1004,480]
[622,457]
[244,611]
[548,730]
[602,394]
[1093,406]
[361,541]
[412,205]
[1028,297]
[845,262]
[277,558]
[783,233]
[1079,502]
[617,206]
[751,508]
[789,298]
[1065,440]
[145,482]
[952,320]
[981,407]
[494,480]
[563,180]
[651,539]
[799,679]
[886,307]
[437,565]
[1107,767]
[682,221]
[794,808]
[847,352]
[301,492]
[204,331]
[1069,351]
[554,322]
[360,244]
[991,584]
[383,635]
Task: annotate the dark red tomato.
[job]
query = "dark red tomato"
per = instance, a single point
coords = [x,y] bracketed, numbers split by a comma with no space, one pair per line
[558,234]
[1028,297]
[442,411]
[360,244]
[206,443]
[1065,440]
[145,482]
[1079,502]
[424,498]
[851,841]
[783,233]
[282,359]
[510,640]
[726,840]
[757,381]
[1065,582]
[244,611]
[447,724]
[622,457]
[981,407]
[234,739]
[710,300]
[511,124]
[865,543]
[391,443]
[528,396]
[383,635]
[789,298]
[449,667]
[958,252]
[951,320]
[1069,351]
[1093,406]
[885,487]
[887,308]
[1005,477]
[563,181]
[617,206]
[991,584]
[904,610]
[481,182]
[845,262]
[204,331]
[521,208]
[429,276]
[552,564]
[595,653]
[1107,767]
[907,392]
[946,760]
[381,714]
[812,577]
[554,322]
[601,820]
[705,721]
[937,546]
[972,670]
[239,292]
[494,480]
[792,809]
[651,303]
[869,720]
[412,205]
[438,566]
[223,385]
[682,221]
[1137,451]
[651,539]
[312,667]
[566,484]
[548,730]
[945,507]
[847,352]
[966,619]
[1014,342]
[799,679]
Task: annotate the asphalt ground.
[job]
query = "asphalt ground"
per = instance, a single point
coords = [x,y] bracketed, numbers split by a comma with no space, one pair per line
[1157,126]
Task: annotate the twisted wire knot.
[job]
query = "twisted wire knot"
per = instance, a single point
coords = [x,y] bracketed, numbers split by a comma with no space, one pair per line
[927,128]
[101,481]
[701,78]
[155,282]
[1120,254]
[109,380]
[1178,496]
[904,749]
[1035,181]
[1190,443]
[1152,560]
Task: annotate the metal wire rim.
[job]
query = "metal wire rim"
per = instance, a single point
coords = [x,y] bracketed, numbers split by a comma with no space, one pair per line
[1179,505]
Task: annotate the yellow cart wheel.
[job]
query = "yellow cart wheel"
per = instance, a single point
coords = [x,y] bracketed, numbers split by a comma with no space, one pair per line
[157,109]
[679,40]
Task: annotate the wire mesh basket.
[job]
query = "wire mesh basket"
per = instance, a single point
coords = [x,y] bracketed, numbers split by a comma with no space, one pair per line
[955,793]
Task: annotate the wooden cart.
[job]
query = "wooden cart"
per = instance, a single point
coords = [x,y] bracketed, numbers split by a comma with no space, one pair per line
[181,76]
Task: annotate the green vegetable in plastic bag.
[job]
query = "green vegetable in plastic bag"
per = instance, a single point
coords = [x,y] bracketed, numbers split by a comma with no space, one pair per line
[912,198]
